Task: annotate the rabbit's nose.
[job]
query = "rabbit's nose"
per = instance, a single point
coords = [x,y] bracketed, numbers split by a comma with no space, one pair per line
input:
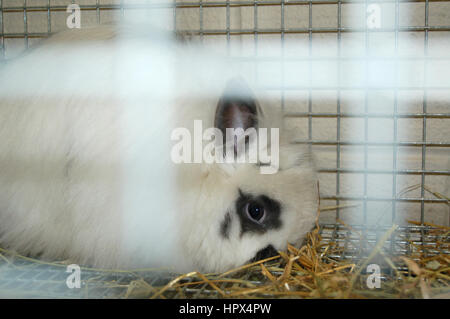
[264,253]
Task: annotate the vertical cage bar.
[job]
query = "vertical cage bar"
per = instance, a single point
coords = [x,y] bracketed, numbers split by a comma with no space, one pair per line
[338,111]
[255,22]
[395,137]
[175,17]
[424,121]
[25,24]
[200,14]
[97,9]
[49,18]
[366,110]
[228,27]
[282,57]
[310,73]
[2,30]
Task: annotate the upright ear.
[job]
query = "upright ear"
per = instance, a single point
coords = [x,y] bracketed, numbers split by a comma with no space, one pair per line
[237,108]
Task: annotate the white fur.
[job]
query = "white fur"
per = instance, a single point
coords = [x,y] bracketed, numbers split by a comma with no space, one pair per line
[85,169]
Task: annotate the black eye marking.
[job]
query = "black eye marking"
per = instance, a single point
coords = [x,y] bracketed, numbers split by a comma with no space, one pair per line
[225,226]
[264,253]
[253,223]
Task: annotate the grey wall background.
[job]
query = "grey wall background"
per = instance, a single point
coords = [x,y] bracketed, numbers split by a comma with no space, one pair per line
[318,59]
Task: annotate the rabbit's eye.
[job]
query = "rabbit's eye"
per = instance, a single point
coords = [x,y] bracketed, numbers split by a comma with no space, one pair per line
[257,214]
[255,211]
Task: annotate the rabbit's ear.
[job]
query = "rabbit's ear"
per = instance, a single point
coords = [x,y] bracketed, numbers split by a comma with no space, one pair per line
[237,108]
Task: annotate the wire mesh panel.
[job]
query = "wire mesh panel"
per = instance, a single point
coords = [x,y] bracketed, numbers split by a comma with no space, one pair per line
[364,83]
[360,241]
[30,279]
[386,132]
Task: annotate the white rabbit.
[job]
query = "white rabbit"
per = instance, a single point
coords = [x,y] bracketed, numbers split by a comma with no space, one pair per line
[85,160]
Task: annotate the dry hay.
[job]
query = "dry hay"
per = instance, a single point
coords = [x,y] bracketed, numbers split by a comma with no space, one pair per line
[308,272]
[305,272]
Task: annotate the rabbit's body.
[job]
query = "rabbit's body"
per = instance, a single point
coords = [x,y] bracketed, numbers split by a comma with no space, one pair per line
[86,172]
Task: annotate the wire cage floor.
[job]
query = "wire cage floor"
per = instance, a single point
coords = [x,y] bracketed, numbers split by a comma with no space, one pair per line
[351,247]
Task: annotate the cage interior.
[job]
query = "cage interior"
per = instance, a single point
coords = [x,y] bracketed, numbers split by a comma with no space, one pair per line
[364,83]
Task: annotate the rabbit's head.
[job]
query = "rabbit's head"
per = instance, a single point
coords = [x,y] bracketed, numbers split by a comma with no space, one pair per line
[238,213]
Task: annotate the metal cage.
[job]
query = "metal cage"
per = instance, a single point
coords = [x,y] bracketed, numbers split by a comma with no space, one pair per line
[363,235]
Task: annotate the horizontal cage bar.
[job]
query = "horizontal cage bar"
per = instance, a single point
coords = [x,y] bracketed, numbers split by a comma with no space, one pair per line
[374,171]
[384,199]
[369,143]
